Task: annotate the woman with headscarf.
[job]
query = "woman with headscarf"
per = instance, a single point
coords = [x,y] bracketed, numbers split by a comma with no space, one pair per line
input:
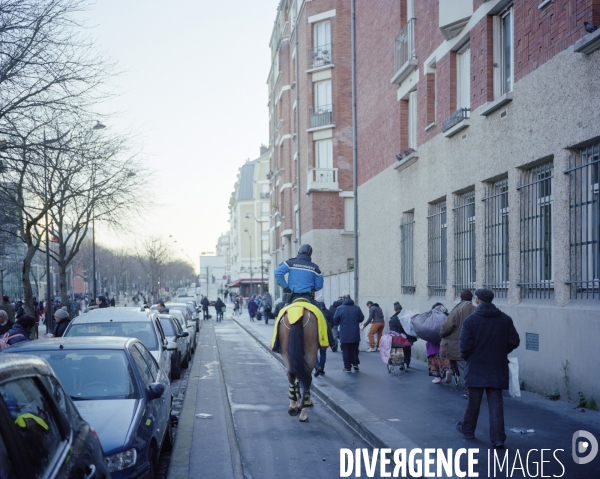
[438,367]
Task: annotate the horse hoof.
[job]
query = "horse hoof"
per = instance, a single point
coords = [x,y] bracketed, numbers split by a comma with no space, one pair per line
[293,412]
[303,420]
[309,404]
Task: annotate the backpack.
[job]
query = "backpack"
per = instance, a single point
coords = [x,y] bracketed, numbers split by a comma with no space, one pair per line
[5,338]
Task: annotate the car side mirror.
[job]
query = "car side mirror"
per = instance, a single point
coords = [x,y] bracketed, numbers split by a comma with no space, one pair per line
[155,390]
[184,334]
[171,346]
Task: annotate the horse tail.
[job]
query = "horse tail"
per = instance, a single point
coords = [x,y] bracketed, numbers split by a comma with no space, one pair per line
[295,352]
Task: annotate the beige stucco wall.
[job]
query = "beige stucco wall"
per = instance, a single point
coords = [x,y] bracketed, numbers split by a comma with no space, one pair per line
[554,107]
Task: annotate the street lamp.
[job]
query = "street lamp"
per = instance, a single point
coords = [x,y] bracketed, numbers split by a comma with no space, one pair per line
[97,126]
[2,280]
[262,265]
[251,284]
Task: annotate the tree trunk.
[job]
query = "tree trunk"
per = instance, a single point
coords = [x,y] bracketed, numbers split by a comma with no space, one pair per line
[26,281]
[62,275]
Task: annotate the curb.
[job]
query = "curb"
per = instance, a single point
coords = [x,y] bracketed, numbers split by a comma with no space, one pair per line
[376,432]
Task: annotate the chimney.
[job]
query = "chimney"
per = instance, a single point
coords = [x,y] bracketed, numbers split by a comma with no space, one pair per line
[263,150]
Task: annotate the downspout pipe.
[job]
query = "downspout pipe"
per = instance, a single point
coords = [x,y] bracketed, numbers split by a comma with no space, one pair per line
[298,136]
[354,148]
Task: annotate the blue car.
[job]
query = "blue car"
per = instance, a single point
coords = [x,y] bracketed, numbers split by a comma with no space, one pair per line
[117,387]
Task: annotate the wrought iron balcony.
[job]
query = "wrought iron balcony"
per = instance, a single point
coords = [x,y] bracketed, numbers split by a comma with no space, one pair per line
[456,117]
[320,56]
[405,54]
[320,115]
[322,179]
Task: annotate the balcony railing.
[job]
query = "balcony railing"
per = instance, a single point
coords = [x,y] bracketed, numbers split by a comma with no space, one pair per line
[320,56]
[454,119]
[322,179]
[405,45]
[320,115]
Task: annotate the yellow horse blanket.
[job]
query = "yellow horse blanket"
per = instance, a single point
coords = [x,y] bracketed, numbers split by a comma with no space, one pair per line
[295,312]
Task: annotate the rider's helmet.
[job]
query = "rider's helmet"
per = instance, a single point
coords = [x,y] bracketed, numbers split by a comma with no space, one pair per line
[305,249]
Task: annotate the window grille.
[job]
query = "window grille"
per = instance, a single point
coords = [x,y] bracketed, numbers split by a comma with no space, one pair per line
[437,240]
[584,223]
[407,262]
[464,242]
[536,232]
[496,238]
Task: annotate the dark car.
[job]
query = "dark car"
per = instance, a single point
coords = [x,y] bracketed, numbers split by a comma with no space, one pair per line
[41,432]
[118,387]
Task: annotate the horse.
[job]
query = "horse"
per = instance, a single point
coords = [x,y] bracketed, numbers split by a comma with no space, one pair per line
[299,343]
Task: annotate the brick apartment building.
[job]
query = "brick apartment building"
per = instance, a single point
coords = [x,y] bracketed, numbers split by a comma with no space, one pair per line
[478,133]
[311,133]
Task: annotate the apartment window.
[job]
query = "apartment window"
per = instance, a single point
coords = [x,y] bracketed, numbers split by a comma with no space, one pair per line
[437,242]
[407,261]
[464,242]
[496,250]
[584,222]
[463,78]
[503,52]
[536,232]
[264,209]
[264,190]
[324,161]
[321,51]
[348,214]
[412,120]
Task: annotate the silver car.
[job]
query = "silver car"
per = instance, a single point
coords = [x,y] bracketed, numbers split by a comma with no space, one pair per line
[188,326]
[174,332]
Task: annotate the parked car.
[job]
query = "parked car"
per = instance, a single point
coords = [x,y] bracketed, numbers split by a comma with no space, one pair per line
[181,291]
[174,332]
[41,432]
[190,327]
[191,308]
[127,322]
[118,387]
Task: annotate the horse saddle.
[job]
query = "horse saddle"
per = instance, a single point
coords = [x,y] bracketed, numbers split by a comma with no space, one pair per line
[295,312]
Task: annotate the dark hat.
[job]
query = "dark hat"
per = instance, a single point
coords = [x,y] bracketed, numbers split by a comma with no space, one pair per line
[369,303]
[485,295]
[397,306]
[466,295]
[61,314]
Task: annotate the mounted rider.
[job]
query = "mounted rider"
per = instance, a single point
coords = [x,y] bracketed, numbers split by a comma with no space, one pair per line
[304,276]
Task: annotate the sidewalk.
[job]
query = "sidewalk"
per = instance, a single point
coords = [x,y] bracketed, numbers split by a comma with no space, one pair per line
[409,411]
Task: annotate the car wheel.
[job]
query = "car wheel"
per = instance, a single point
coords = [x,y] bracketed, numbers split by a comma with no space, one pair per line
[176,368]
[168,440]
[153,459]
[186,361]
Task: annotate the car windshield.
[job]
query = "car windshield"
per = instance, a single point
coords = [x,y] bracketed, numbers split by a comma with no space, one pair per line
[167,326]
[93,374]
[141,330]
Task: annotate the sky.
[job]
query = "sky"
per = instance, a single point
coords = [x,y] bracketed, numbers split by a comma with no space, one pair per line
[192,88]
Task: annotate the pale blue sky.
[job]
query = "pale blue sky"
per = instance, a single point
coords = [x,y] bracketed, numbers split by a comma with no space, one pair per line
[194,87]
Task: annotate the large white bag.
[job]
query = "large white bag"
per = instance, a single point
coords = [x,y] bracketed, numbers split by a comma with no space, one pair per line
[404,318]
[514,388]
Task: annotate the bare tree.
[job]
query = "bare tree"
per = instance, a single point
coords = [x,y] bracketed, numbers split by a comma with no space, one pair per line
[154,255]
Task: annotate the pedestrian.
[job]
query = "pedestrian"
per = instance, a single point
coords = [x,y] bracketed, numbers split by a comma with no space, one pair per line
[349,317]
[7,306]
[252,308]
[101,301]
[204,302]
[322,353]
[335,329]
[5,323]
[450,333]
[162,309]
[396,326]
[219,305]
[19,309]
[62,321]
[304,276]
[112,302]
[438,367]
[226,293]
[376,316]
[487,337]
[22,329]
[266,305]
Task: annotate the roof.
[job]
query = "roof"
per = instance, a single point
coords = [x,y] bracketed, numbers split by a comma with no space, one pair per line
[8,362]
[246,186]
[70,343]
[105,315]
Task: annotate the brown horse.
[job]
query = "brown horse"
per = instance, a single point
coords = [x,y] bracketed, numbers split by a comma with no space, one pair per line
[299,344]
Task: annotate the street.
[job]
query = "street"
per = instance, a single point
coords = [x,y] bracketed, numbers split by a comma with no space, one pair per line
[234,421]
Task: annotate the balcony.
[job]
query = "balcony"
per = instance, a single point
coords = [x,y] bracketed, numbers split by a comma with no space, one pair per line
[320,56]
[322,179]
[456,122]
[405,55]
[320,117]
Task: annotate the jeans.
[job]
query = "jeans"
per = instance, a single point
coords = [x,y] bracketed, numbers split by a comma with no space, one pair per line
[350,354]
[219,316]
[321,358]
[205,314]
[496,413]
[335,331]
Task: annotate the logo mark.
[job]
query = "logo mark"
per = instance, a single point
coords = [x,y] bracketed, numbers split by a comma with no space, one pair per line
[590,446]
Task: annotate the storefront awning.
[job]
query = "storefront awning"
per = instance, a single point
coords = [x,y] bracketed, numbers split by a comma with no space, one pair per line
[238,282]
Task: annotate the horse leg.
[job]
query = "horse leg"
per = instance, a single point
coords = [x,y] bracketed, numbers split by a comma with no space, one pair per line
[293,396]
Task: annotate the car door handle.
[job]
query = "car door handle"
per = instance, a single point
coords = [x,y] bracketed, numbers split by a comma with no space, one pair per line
[92,473]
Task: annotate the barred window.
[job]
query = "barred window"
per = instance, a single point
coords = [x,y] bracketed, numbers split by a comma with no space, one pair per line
[536,232]
[437,240]
[496,238]
[464,242]
[584,223]
[407,263]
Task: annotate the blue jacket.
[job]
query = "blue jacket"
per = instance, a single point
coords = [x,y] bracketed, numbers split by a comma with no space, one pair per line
[18,329]
[486,338]
[303,275]
[349,316]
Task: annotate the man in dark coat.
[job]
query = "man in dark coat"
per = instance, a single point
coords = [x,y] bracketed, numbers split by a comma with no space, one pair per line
[7,306]
[21,329]
[349,316]
[487,337]
[396,326]
[335,330]
[102,302]
[219,304]
[205,304]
